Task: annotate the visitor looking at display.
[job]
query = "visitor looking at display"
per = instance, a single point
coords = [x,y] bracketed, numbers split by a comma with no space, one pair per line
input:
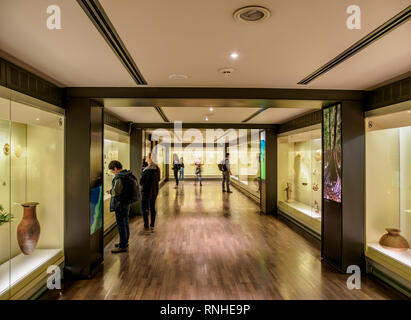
[124,192]
[149,182]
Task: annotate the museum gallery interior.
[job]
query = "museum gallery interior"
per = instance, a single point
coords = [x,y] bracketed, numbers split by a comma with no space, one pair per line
[311,99]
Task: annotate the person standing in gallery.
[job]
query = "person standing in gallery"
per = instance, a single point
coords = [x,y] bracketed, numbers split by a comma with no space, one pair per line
[181,171]
[198,165]
[226,173]
[149,182]
[124,192]
[176,168]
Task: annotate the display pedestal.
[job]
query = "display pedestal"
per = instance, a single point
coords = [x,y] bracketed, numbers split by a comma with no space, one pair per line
[303,214]
[22,266]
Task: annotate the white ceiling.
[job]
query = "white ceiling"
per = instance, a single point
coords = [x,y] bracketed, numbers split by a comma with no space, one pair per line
[278,116]
[136,114]
[76,55]
[218,115]
[195,38]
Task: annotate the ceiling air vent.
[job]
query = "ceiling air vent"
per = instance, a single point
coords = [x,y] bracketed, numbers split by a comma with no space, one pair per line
[251,14]
[226,71]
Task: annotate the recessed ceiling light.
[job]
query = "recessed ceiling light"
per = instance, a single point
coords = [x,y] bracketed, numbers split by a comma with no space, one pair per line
[211,109]
[251,14]
[37,119]
[234,55]
[206,118]
[178,76]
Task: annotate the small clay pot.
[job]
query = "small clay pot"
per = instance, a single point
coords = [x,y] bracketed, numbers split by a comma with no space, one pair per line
[28,231]
[393,241]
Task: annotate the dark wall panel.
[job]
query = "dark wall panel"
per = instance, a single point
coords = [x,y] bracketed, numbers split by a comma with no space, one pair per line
[77,183]
[2,73]
[83,245]
[136,160]
[96,184]
[269,185]
[353,210]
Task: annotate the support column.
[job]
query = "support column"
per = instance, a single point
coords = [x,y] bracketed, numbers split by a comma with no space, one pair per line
[136,160]
[83,236]
[343,216]
[268,199]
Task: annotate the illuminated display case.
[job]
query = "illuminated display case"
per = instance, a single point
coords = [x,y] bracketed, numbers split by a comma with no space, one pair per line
[116,147]
[388,191]
[209,159]
[245,163]
[31,196]
[299,176]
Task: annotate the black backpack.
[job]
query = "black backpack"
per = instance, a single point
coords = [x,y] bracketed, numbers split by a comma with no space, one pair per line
[130,192]
[222,167]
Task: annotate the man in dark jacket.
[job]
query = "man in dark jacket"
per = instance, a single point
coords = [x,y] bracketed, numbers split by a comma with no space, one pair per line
[120,204]
[149,182]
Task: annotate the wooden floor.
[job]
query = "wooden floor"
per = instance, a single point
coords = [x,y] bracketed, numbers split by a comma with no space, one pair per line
[213,245]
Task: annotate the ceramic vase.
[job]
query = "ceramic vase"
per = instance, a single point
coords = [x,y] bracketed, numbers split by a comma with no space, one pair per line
[28,231]
[394,241]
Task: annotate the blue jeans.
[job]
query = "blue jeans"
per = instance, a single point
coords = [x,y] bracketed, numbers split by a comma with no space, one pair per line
[145,206]
[122,225]
[181,174]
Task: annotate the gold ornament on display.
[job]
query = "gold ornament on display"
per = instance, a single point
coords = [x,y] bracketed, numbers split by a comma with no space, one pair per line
[394,241]
[315,187]
[6,149]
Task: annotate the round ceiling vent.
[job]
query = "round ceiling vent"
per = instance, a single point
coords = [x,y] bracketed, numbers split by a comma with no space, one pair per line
[178,76]
[251,14]
[226,71]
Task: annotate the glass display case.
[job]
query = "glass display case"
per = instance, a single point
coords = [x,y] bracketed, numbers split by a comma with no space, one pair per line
[209,159]
[31,196]
[116,147]
[245,162]
[388,191]
[299,176]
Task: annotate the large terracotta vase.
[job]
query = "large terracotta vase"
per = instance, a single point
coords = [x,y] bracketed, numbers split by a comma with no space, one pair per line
[393,241]
[28,231]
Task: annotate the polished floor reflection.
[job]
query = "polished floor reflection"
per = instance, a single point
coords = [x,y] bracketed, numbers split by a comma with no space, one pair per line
[214,245]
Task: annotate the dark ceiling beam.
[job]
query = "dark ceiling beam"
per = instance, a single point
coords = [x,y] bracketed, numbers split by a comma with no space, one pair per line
[214,93]
[254,114]
[170,125]
[99,18]
[162,114]
[381,31]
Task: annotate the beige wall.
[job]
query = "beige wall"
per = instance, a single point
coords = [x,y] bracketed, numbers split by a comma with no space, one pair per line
[382,182]
[45,182]
[405,182]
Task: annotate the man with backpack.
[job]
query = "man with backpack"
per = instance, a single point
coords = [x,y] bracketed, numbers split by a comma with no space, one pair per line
[224,166]
[124,192]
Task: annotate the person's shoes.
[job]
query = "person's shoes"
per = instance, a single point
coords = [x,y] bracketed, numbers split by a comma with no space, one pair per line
[223,190]
[229,191]
[119,250]
[117,245]
[152,229]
